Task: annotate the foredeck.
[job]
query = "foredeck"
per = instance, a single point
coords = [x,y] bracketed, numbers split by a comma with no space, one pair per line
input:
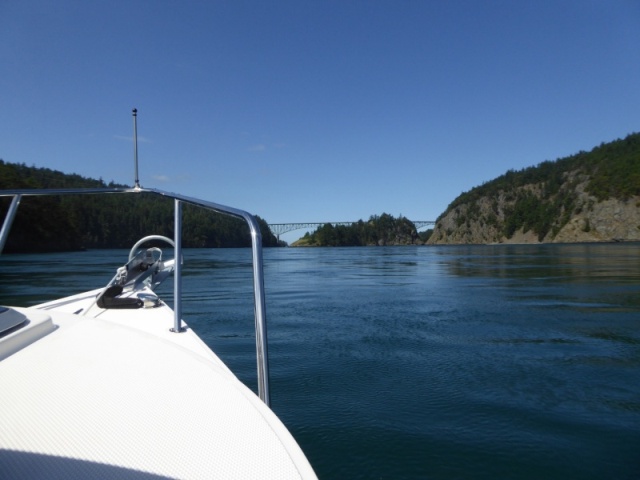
[126,398]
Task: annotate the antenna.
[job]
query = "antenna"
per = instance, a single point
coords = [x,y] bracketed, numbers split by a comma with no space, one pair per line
[135,146]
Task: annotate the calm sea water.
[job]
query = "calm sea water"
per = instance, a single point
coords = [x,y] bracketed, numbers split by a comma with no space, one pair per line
[420,362]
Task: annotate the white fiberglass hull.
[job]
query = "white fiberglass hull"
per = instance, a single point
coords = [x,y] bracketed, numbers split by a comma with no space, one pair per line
[118,395]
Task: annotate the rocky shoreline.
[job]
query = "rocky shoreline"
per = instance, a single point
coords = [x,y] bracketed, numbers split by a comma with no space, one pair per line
[611,220]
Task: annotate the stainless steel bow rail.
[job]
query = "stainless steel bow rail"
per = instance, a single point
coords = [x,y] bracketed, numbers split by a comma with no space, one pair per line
[256,247]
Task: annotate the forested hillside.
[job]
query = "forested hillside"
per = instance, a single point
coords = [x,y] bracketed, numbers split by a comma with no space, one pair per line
[106,221]
[589,196]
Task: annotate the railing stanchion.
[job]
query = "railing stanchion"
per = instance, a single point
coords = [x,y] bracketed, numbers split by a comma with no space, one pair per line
[177,272]
[262,353]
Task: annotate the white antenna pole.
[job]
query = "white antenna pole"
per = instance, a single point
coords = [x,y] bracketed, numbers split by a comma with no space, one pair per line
[135,146]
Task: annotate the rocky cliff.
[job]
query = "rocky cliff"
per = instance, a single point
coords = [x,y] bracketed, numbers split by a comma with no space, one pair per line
[606,221]
[589,197]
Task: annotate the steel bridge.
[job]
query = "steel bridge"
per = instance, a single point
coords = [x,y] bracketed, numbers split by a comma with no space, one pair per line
[279,228]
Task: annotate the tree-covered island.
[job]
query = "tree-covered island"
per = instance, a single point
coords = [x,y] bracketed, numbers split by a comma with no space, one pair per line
[379,230]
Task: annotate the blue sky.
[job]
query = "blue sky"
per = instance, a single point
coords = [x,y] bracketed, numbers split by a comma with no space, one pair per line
[315,110]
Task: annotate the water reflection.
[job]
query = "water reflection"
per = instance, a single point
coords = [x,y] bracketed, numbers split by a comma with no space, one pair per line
[575,263]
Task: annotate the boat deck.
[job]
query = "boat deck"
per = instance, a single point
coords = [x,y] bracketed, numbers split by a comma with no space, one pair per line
[148,404]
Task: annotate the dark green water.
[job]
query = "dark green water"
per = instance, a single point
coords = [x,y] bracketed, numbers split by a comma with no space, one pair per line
[402,362]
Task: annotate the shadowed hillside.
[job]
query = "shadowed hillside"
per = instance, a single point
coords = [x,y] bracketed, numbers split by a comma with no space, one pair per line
[106,221]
